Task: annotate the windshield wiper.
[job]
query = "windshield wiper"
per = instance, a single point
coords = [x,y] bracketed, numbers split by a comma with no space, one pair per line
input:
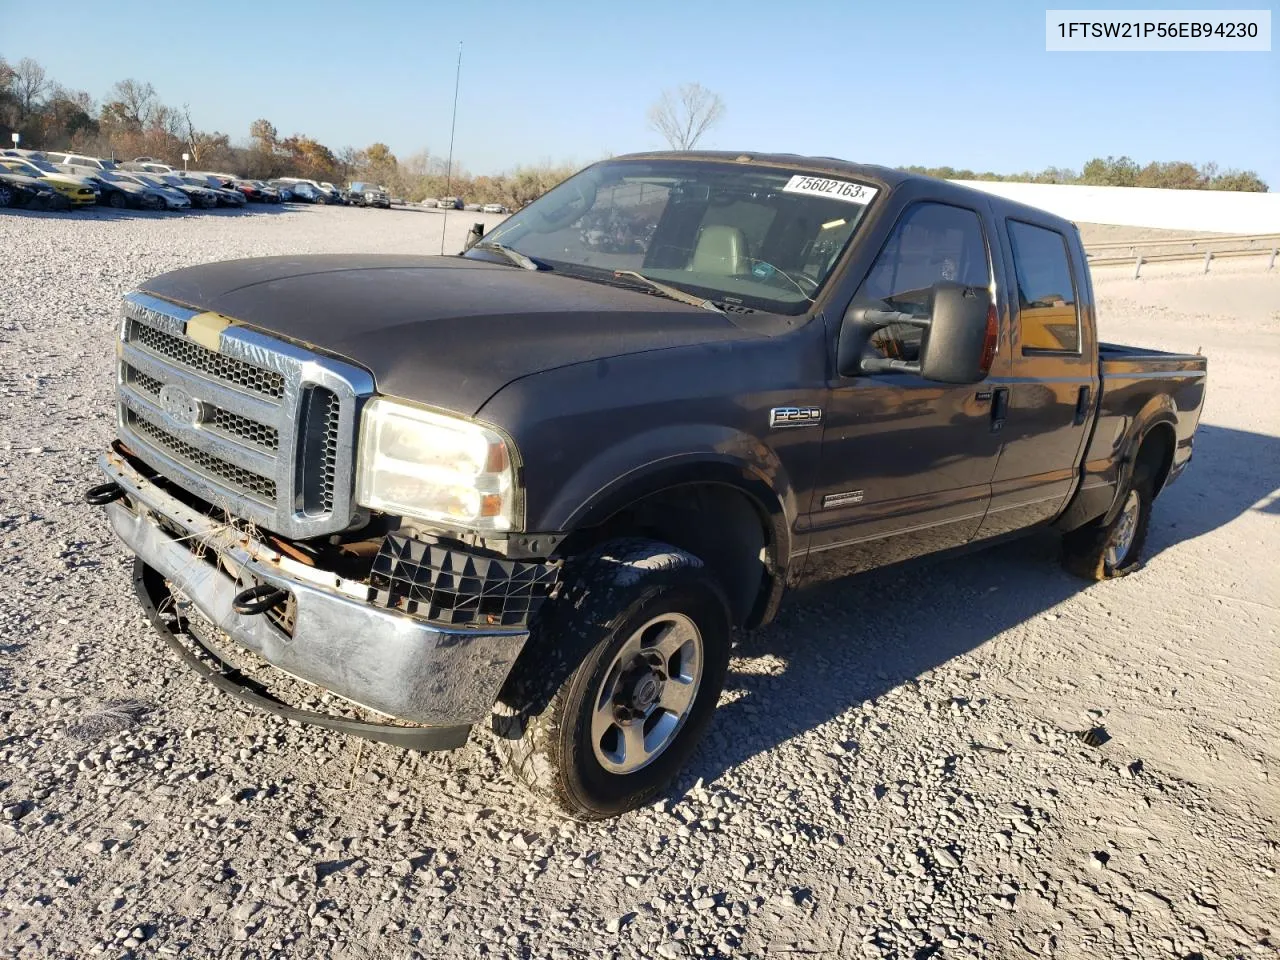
[515,256]
[671,292]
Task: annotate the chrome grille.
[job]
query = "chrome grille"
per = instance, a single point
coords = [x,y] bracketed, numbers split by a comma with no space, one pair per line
[259,427]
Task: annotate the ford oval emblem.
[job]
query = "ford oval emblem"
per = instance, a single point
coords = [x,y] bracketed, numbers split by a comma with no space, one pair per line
[180,407]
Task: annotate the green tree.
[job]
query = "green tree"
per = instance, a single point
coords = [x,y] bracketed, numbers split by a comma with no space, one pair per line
[1111,172]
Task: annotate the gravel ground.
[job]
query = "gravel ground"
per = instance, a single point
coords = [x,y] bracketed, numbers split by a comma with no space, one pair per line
[894,771]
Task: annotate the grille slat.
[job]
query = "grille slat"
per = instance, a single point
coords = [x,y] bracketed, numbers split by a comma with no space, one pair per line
[215,468]
[228,424]
[242,428]
[189,354]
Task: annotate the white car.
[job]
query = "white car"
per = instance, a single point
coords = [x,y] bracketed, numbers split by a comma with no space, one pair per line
[430,202]
[493,208]
[78,163]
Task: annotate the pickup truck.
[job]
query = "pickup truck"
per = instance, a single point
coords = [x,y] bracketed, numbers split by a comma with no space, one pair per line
[538,485]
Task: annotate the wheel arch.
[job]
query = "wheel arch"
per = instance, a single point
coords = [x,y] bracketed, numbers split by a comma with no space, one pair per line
[718,509]
[1150,446]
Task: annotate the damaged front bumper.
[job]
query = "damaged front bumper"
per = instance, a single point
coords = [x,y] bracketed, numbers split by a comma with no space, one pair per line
[442,679]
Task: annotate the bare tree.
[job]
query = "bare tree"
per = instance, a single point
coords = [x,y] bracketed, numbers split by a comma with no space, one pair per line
[195,139]
[29,84]
[684,116]
[131,103]
[264,134]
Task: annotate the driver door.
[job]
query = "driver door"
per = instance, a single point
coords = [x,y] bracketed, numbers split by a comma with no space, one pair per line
[906,462]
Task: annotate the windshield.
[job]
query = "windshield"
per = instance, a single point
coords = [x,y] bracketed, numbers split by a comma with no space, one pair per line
[20,166]
[760,238]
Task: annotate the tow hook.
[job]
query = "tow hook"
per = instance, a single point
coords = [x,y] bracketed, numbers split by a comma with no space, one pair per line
[103,494]
[258,599]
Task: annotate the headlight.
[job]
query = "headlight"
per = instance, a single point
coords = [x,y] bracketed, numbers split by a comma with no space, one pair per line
[420,464]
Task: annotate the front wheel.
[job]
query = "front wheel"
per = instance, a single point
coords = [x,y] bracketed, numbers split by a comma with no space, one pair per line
[118,200]
[618,681]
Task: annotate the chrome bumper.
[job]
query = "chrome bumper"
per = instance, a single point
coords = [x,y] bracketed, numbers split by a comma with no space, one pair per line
[387,661]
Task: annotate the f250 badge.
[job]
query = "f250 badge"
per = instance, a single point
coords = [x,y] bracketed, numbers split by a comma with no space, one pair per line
[795,417]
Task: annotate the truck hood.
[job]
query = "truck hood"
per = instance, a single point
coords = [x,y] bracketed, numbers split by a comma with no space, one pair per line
[445,331]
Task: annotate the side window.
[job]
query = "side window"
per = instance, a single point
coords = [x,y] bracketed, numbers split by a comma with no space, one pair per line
[1046,293]
[931,242]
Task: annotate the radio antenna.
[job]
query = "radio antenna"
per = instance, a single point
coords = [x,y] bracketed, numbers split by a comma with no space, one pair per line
[453,127]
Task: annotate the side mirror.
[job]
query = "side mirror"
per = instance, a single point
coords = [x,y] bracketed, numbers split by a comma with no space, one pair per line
[957,343]
[473,236]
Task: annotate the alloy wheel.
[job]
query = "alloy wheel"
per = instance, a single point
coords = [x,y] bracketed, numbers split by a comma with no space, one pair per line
[647,693]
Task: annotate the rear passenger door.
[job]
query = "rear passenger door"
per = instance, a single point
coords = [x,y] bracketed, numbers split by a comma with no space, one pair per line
[1054,379]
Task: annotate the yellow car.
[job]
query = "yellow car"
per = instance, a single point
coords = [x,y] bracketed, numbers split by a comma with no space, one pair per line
[79,191]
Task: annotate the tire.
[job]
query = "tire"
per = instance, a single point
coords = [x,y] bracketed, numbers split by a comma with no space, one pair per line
[7,195]
[118,200]
[601,636]
[1099,551]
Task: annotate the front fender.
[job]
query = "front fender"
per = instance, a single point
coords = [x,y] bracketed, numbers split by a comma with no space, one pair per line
[668,457]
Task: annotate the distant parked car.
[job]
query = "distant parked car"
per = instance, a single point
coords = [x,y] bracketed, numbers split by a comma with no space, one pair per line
[306,192]
[50,171]
[494,208]
[225,196]
[369,195]
[430,202]
[171,198]
[451,203]
[17,190]
[199,194]
[147,165]
[78,191]
[269,193]
[79,163]
[252,192]
[120,190]
[284,188]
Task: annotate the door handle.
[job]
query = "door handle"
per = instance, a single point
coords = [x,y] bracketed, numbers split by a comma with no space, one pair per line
[999,408]
[1082,405]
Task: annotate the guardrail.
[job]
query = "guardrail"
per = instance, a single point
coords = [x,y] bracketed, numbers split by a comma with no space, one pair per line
[1243,245]
[1247,239]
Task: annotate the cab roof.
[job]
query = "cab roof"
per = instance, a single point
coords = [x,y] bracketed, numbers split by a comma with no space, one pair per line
[887,176]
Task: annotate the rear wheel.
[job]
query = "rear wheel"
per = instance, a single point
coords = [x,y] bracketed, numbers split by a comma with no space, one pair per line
[618,681]
[1104,551]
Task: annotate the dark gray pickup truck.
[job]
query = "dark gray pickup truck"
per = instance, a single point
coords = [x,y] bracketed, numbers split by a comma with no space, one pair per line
[536,486]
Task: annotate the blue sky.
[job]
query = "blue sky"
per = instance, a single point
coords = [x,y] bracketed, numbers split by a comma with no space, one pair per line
[965,84]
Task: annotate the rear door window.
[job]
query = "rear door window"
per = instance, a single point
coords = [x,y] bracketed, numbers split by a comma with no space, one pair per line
[1047,308]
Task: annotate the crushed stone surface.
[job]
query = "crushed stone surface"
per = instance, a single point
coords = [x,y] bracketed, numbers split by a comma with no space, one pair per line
[895,771]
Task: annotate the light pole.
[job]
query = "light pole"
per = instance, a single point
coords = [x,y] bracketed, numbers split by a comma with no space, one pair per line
[185,158]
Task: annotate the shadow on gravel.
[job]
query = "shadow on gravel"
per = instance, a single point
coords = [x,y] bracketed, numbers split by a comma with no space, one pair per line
[857,639]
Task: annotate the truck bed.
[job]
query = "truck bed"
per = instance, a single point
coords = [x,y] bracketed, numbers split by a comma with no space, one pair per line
[1139,387]
[1117,359]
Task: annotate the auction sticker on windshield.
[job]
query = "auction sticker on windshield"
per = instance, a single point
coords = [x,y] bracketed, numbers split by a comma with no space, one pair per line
[835,189]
